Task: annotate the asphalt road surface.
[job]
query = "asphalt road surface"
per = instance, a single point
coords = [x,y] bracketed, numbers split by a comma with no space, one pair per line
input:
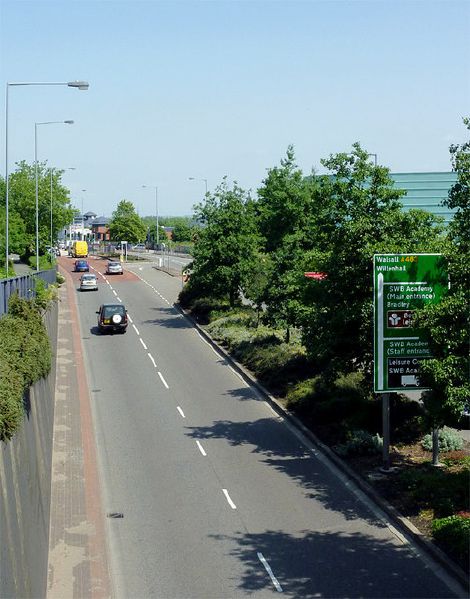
[219,496]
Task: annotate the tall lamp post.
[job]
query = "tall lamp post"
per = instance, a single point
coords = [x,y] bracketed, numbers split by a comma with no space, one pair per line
[37,178]
[195,179]
[51,170]
[82,85]
[156,209]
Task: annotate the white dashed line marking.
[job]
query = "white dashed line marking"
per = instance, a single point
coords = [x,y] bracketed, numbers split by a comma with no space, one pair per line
[136,329]
[114,292]
[181,412]
[270,572]
[230,502]
[163,380]
[119,299]
[130,319]
[201,448]
[142,341]
[153,361]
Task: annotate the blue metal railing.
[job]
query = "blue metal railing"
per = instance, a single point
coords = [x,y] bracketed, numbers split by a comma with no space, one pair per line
[24,285]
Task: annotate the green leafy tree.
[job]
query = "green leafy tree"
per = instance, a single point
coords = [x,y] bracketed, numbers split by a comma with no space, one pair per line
[227,243]
[126,224]
[284,209]
[358,214]
[22,208]
[182,232]
[447,323]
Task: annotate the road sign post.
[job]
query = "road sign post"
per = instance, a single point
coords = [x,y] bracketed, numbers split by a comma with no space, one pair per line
[403,283]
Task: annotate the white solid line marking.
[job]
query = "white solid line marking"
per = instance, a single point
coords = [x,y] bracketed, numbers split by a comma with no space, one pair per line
[205,341]
[163,380]
[180,411]
[201,448]
[142,341]
[153,361]
[230,502]
[136,329]
[270,572]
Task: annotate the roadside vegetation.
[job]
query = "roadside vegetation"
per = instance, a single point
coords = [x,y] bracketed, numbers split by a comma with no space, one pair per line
[309,341]
[25,355]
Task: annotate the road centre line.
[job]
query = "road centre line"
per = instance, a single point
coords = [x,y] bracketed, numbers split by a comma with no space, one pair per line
[119,299]
[130,319]
[180,411]
[153,361]
[136,329]
[114,292]
[201,448]
[270,572]
[230,502]
[163,380]
[142,341]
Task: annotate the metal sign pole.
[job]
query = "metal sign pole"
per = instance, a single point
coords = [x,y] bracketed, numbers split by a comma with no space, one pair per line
[386,431]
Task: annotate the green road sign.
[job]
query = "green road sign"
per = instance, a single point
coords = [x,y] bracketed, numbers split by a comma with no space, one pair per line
[403,283]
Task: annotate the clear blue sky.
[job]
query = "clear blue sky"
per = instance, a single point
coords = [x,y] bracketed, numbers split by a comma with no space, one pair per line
[185,89]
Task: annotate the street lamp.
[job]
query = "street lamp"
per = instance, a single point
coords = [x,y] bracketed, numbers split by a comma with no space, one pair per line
[156,209]
[195,179]
[51,170]
[37,179]
[82,85]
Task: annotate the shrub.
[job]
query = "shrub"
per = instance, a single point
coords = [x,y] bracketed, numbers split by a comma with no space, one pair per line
[60,279]
[360,442]
[25,357]
[439,489]
[448,441]
[11,399]
[453,535]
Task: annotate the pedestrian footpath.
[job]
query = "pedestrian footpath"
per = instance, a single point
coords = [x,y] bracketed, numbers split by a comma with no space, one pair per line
[78,563]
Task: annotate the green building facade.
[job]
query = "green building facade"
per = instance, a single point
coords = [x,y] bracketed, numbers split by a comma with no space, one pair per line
[426,191]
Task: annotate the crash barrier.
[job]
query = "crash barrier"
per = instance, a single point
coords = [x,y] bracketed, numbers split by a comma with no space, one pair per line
[24,285]
[25,488]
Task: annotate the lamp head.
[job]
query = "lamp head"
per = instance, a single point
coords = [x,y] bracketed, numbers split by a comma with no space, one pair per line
[68,122]
[82,85]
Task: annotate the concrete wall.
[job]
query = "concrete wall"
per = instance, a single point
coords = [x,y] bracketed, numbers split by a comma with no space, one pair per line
[25,479]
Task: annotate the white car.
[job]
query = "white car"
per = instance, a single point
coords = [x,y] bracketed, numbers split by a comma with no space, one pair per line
[114,268]
[139,247]
[88,281]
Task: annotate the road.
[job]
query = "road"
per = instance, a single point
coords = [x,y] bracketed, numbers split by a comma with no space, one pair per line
[220,497]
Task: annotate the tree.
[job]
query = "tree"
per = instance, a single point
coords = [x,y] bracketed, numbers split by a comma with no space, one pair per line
[358,214]
[182,232]
[284,210]
[126,224]
[447,323]
[227,243]
[22,208]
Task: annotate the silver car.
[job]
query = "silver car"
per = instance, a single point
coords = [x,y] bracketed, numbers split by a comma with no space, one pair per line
[88,281]
[114,268]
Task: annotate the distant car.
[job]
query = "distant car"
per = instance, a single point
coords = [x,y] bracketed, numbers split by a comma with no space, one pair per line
[112,317]
[88,281]
[114,268]
[139,247]
[81,266]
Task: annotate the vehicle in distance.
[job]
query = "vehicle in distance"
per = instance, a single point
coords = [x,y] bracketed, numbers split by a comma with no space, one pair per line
[139,247]
[88,281]
[81,266]
[114,268]
[112,317]
[80,249]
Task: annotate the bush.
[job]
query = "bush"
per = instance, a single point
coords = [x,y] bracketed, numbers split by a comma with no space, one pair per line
[439,489]
[448,441]
[360,443]
[25,357]
[453,535]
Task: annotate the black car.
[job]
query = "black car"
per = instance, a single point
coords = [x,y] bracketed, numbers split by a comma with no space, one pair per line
[112,317]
